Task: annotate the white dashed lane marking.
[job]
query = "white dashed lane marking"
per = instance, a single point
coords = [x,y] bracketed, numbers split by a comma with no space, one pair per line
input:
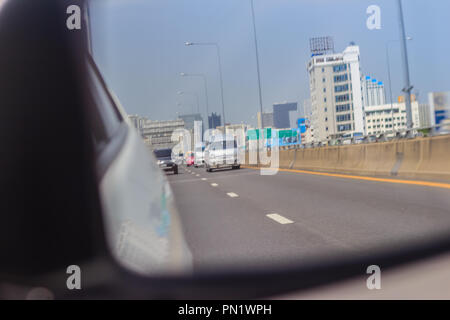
[232,195]
[279,218]
[204,179]
[214,184]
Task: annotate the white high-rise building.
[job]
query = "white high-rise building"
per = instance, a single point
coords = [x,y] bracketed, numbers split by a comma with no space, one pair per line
[336,94]
[373,92]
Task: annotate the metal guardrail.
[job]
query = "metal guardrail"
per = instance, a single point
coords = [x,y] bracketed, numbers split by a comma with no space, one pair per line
[386,136]
[392,135]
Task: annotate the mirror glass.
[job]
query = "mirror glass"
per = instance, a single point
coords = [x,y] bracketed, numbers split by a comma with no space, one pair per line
[304,129]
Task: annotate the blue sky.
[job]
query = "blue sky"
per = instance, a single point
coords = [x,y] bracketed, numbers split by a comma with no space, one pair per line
[139,46]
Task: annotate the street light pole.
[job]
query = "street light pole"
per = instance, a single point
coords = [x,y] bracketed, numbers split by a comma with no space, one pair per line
[390,82]
[408,87]
[206,89]
[389,75]
[221,85]
[220,69]
[257,65]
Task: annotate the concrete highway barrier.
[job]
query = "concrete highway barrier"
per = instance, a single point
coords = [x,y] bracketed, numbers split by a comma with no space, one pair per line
[420,158]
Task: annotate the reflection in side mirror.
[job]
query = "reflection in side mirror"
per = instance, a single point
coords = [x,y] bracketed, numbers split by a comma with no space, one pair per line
[334,197]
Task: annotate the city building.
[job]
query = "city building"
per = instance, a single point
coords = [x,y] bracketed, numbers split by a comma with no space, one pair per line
[390,117]
[373,92]
[308,136]
[267,118]
[239,131]
[197,132]
[189,120]
[425,115]
[336,94]
[240,126]
[440,110]
[158,134]
[137,121]
[281,112]
[214,120]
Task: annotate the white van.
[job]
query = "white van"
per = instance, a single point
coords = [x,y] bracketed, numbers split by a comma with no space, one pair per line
[199,156]
[222,153]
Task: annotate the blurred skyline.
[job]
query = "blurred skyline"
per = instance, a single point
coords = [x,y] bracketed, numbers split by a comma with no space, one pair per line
[139,46]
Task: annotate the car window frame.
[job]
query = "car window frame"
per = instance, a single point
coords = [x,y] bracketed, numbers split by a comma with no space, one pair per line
[107,151]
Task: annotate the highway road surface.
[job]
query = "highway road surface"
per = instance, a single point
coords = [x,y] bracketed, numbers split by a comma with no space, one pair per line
[240,216]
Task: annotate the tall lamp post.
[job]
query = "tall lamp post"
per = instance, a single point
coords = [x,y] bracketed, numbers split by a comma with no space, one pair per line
[206,88]
[216,45]
[389,76]
[257,65]
[408,87]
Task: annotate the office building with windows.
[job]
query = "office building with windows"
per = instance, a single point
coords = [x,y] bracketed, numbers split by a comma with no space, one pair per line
[214,120]
[390,117]
[158,134]
[373,92]
[137,121]
[336,94]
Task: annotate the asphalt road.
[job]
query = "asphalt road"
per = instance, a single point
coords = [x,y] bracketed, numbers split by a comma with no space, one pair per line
[225,215]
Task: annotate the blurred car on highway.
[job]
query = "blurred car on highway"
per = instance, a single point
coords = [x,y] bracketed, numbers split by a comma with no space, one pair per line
[190,159]
[199,156]
[165,160]
[222,153]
